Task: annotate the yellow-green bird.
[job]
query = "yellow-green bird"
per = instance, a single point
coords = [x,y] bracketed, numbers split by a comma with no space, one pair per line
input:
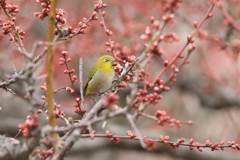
[100,76]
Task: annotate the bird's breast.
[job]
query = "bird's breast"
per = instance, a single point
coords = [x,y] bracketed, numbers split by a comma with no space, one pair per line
[100,82]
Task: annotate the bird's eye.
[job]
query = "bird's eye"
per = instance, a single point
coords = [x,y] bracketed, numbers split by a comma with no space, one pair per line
[105,59]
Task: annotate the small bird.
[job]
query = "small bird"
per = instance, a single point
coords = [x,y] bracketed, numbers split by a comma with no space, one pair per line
[100,76]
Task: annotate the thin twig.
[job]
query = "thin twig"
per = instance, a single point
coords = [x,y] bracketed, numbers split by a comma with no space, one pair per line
[19,40]
[157,140]
[233,23]
[143,59]
[90,119]
[187,43]
[36,45]
[145,104]
[109,36]
[15,70]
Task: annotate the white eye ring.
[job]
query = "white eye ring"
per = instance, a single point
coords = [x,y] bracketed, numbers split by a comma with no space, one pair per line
[105,59]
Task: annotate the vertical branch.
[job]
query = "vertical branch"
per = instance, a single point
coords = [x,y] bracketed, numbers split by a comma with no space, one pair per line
[49,80]
[81,81]
[49,64]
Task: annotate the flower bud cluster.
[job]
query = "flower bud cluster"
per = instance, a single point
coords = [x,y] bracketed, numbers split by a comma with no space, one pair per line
[143,96]
[29,125]
[131,134]
[99,5]
[147,35]
[58,113]
[10,10]
[168,19]
[164,118]
[171,5]
[168,37]
[112,138]
[123,59]
[64,61]
[80,111]
[71,30]
[59,16]
[83,24]
[191,48]
[115,140]
[9,26]
[111,100]
[46,5]
[154,48]
[141,75]
[150,143]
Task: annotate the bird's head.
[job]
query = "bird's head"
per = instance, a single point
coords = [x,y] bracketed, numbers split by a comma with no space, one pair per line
[104,63]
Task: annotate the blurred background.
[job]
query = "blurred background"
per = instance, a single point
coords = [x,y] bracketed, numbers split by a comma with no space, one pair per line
[206,92]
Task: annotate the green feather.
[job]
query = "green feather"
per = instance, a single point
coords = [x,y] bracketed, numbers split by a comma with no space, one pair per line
[92,72]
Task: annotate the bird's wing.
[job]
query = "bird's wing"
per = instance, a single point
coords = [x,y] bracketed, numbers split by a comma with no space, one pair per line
[91,73]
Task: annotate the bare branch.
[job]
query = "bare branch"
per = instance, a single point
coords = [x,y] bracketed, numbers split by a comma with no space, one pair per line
[133,125]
